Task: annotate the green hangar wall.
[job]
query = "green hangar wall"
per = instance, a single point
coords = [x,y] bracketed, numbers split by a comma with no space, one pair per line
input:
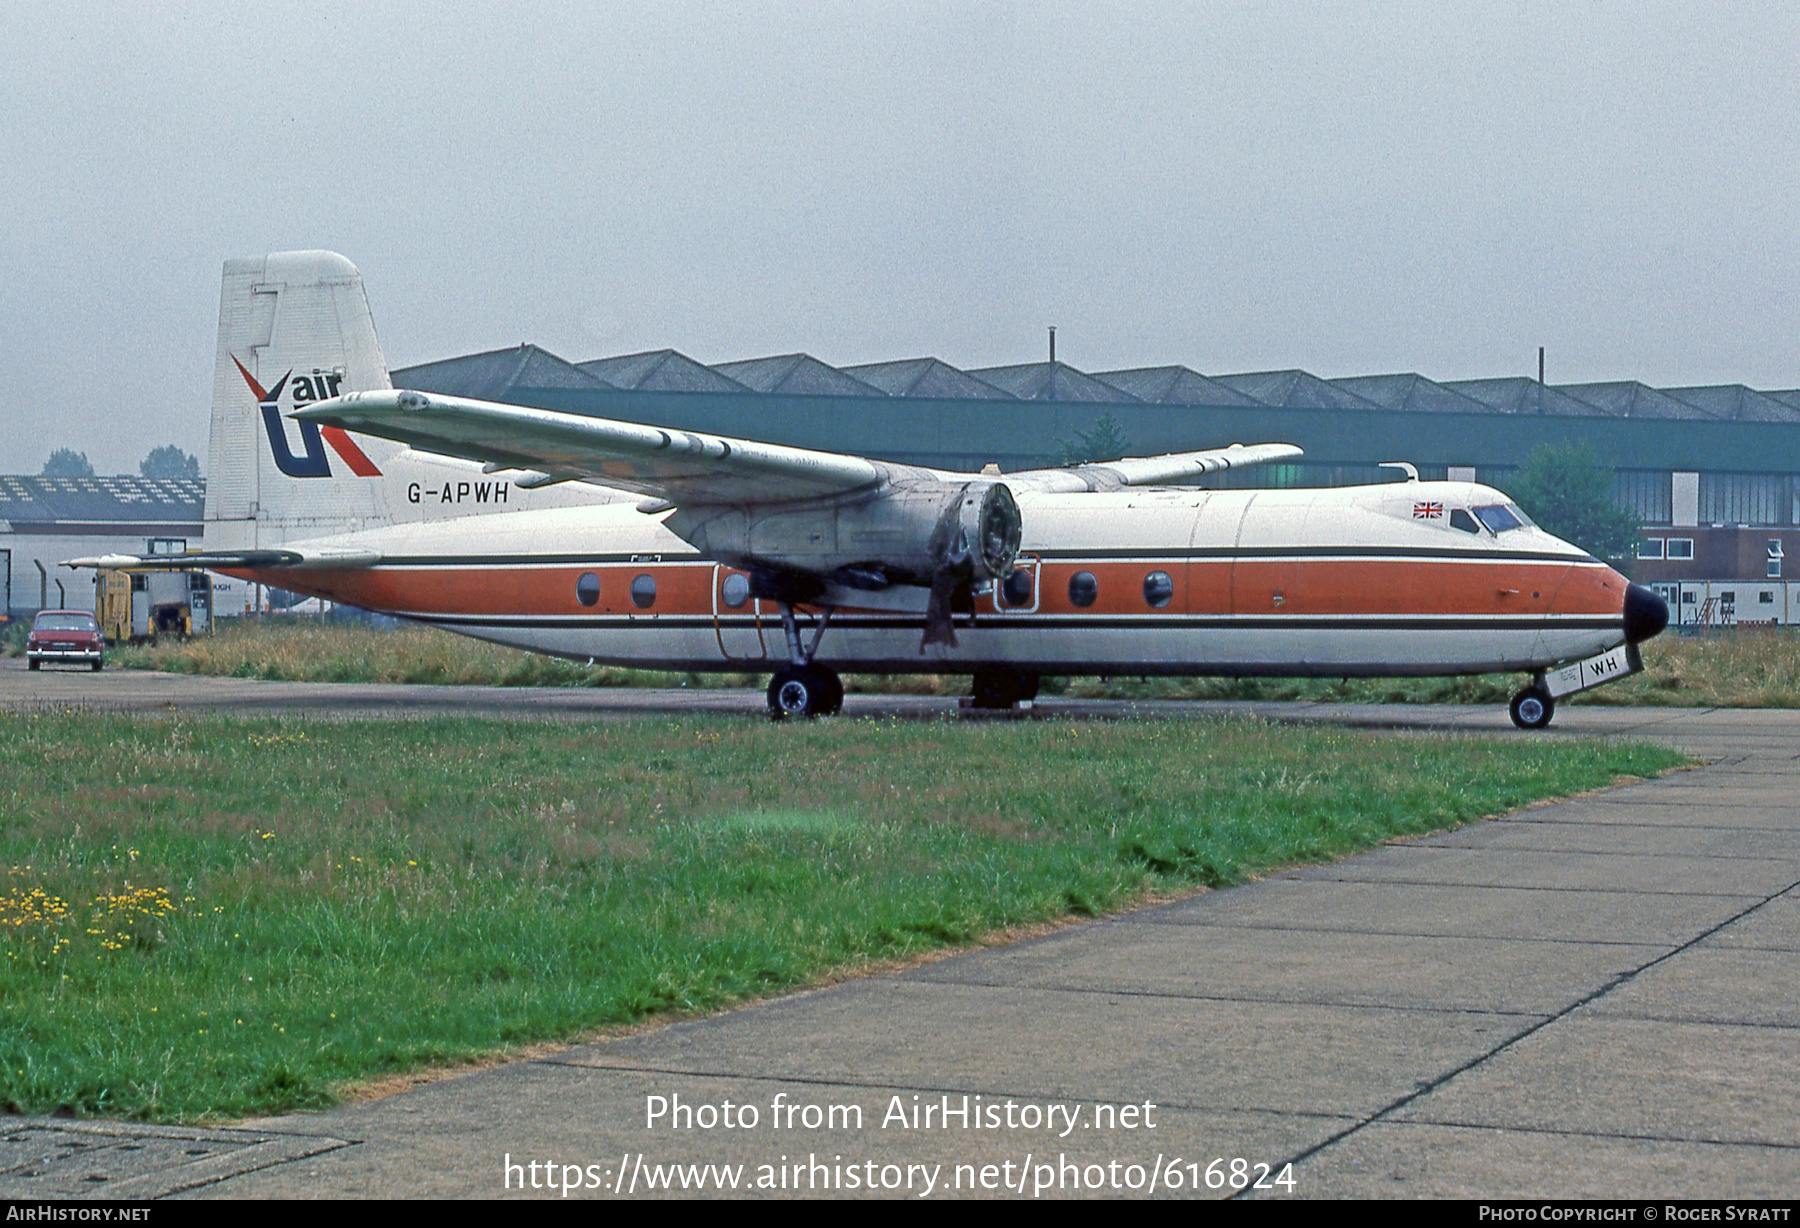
[1736,449]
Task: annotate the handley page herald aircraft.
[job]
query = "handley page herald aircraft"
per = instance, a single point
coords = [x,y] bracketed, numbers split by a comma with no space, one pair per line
[634,545]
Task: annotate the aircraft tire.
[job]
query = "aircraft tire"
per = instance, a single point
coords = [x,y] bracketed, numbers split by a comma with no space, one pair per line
[834,691]
[803,690]
[1003,689]
[1532,708]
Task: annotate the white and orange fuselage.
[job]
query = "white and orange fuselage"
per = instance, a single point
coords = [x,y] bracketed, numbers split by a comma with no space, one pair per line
[1350,581]
[620,542]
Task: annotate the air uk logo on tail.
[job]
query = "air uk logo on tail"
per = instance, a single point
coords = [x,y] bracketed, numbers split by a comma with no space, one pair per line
[319,386]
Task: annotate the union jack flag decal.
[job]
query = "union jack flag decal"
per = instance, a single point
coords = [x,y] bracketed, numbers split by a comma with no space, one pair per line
[1428,511]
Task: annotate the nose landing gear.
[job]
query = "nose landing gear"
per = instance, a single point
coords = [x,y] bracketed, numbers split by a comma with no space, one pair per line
[1532,708]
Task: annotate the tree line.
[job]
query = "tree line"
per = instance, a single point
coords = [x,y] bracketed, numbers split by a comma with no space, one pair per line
[167,461]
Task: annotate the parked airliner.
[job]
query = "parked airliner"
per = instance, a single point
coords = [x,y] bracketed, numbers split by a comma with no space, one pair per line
[633,545]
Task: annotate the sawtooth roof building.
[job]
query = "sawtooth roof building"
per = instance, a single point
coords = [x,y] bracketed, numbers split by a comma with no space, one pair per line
[1741,445]
[1714,472]
[45,520]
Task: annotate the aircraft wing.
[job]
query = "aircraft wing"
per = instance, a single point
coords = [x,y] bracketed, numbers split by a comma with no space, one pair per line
[684,467]
[1152,470]
[679,466]
[225,560]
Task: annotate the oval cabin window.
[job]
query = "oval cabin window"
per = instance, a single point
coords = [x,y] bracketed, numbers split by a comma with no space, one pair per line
[587,588]
[1084,590]
[643,592]
[735,590]
[1159,589]
[1016,588]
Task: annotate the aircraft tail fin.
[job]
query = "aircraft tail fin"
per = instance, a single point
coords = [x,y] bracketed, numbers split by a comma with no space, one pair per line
[294,327]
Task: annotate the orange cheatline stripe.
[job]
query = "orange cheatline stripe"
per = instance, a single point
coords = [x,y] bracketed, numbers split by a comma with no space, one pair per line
[1209,587]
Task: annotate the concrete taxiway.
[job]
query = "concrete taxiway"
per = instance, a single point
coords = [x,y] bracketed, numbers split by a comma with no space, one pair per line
[1591,997]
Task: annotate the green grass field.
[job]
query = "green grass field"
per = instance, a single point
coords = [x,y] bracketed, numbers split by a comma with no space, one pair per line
[205,919]
[1748,669]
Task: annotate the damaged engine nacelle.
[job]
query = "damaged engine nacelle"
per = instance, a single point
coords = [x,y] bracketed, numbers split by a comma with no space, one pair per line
[913,533]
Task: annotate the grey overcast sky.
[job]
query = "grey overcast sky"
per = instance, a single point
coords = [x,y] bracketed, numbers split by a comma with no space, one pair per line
[1352,189]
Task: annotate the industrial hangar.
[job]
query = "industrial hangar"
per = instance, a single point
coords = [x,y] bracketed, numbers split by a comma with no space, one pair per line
[1714,472]
[44,520]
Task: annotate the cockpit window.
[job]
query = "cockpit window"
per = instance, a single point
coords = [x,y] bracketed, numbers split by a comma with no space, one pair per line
[1500,517]
[1460,519]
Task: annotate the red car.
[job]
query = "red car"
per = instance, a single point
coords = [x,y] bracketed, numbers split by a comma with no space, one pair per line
[68,636]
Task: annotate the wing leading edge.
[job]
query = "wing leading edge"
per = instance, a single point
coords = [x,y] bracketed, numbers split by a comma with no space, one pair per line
[686,467]
[1153,470]
[679,466]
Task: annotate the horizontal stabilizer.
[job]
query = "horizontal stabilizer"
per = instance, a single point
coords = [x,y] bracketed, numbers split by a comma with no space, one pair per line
[228,560]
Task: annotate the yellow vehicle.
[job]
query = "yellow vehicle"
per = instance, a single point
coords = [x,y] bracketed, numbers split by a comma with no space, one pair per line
[138,606]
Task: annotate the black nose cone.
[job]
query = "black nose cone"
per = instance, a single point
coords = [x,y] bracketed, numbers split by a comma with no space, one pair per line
[1646,614]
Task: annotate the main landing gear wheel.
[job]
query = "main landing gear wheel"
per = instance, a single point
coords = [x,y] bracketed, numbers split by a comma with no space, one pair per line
[1002,689]
[834,695]
[805,690]
[1532,708]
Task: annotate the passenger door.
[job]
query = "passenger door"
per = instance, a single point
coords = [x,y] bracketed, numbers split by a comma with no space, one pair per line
[1018,592]
[743,628]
